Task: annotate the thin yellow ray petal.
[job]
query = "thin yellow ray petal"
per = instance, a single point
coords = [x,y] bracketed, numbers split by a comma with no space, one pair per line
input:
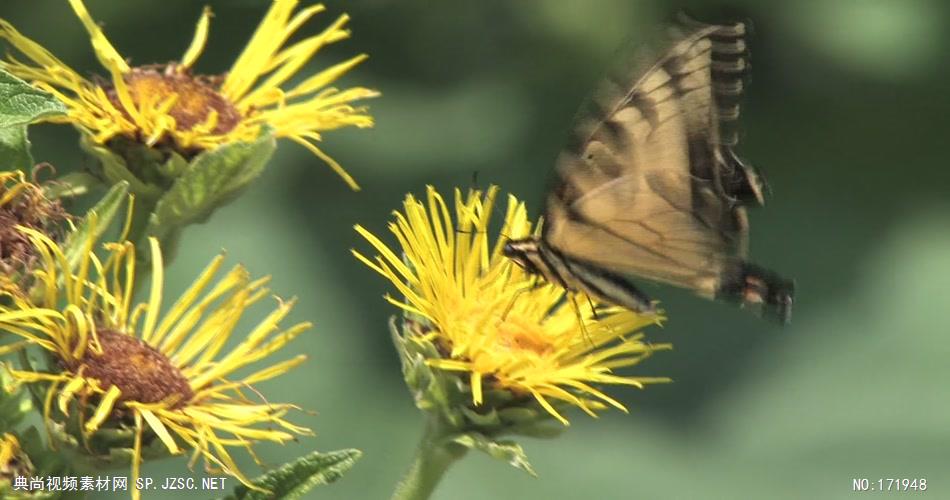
[325,77]
[105,52]
[155,295]
[198,42]
[103,410]
[67,392]
[137,456]
[289,61]
[263,43]
[336,167]
[187,298]
[548,408]
[156,425]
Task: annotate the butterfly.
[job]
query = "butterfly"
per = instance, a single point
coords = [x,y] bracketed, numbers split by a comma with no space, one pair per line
[652,188]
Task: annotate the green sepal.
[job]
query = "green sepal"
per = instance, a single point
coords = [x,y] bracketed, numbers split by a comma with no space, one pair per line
[174,190]
[294,479]
[110,447]
[447,397]
[114,169]
[213,179]
[431,391]
[505,450]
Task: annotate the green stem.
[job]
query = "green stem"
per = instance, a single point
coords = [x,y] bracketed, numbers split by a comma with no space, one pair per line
[433,457]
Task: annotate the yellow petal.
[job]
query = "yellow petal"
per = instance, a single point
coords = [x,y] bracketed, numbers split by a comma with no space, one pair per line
[198,42]
[105,52]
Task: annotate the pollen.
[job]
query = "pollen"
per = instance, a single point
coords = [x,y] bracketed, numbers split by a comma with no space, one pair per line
[523,335]
[138,370]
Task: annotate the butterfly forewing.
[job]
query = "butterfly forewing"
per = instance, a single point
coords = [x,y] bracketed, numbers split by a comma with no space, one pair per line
[651,186]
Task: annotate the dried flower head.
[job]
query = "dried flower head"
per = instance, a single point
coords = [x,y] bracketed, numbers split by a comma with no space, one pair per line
[22,203]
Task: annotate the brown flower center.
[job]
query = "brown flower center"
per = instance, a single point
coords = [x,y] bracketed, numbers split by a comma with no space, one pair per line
[143,374]
[195,97]
[29,209]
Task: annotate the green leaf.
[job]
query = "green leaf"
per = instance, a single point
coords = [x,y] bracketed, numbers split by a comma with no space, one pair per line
[15,149]
[212,180]
[36,459]
[13,406]
[22,104]
[504,450]
[294,479]
[96,221]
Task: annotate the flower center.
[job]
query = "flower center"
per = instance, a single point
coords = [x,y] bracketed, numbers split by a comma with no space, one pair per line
[194,98]
[517,333]
[29,209]
[15,248]
[141,373]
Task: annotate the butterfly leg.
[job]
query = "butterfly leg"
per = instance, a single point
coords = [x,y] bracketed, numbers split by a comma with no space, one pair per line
[593,308]
[580,317]
[535,283]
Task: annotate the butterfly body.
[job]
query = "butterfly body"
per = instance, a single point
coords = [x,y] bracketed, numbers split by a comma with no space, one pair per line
[652,188]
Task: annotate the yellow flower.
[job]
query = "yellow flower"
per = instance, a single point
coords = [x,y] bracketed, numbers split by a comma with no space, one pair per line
[120,363]
[159,105]
[9,455]
[491,320]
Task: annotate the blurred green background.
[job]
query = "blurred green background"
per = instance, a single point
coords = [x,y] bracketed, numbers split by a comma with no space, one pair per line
[847,116]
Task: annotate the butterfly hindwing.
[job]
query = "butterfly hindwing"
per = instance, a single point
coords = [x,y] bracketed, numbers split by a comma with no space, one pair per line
[651,186]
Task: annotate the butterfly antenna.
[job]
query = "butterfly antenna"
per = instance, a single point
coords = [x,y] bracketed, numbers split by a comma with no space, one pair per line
[496,212]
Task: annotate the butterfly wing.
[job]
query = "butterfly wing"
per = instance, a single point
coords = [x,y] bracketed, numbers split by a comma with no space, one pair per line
[652,187]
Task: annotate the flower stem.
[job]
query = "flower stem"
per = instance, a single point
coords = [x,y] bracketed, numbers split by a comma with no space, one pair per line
[433,457]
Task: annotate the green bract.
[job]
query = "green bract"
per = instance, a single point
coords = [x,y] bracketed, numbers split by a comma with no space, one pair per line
[293,479]
[447,398]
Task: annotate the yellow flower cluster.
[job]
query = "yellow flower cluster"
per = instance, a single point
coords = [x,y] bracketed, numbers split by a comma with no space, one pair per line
[171,105]
[171,373]
[493,320]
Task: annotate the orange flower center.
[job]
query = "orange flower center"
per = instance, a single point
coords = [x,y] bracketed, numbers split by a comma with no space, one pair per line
[194,97]
[141,373]
[520,334]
